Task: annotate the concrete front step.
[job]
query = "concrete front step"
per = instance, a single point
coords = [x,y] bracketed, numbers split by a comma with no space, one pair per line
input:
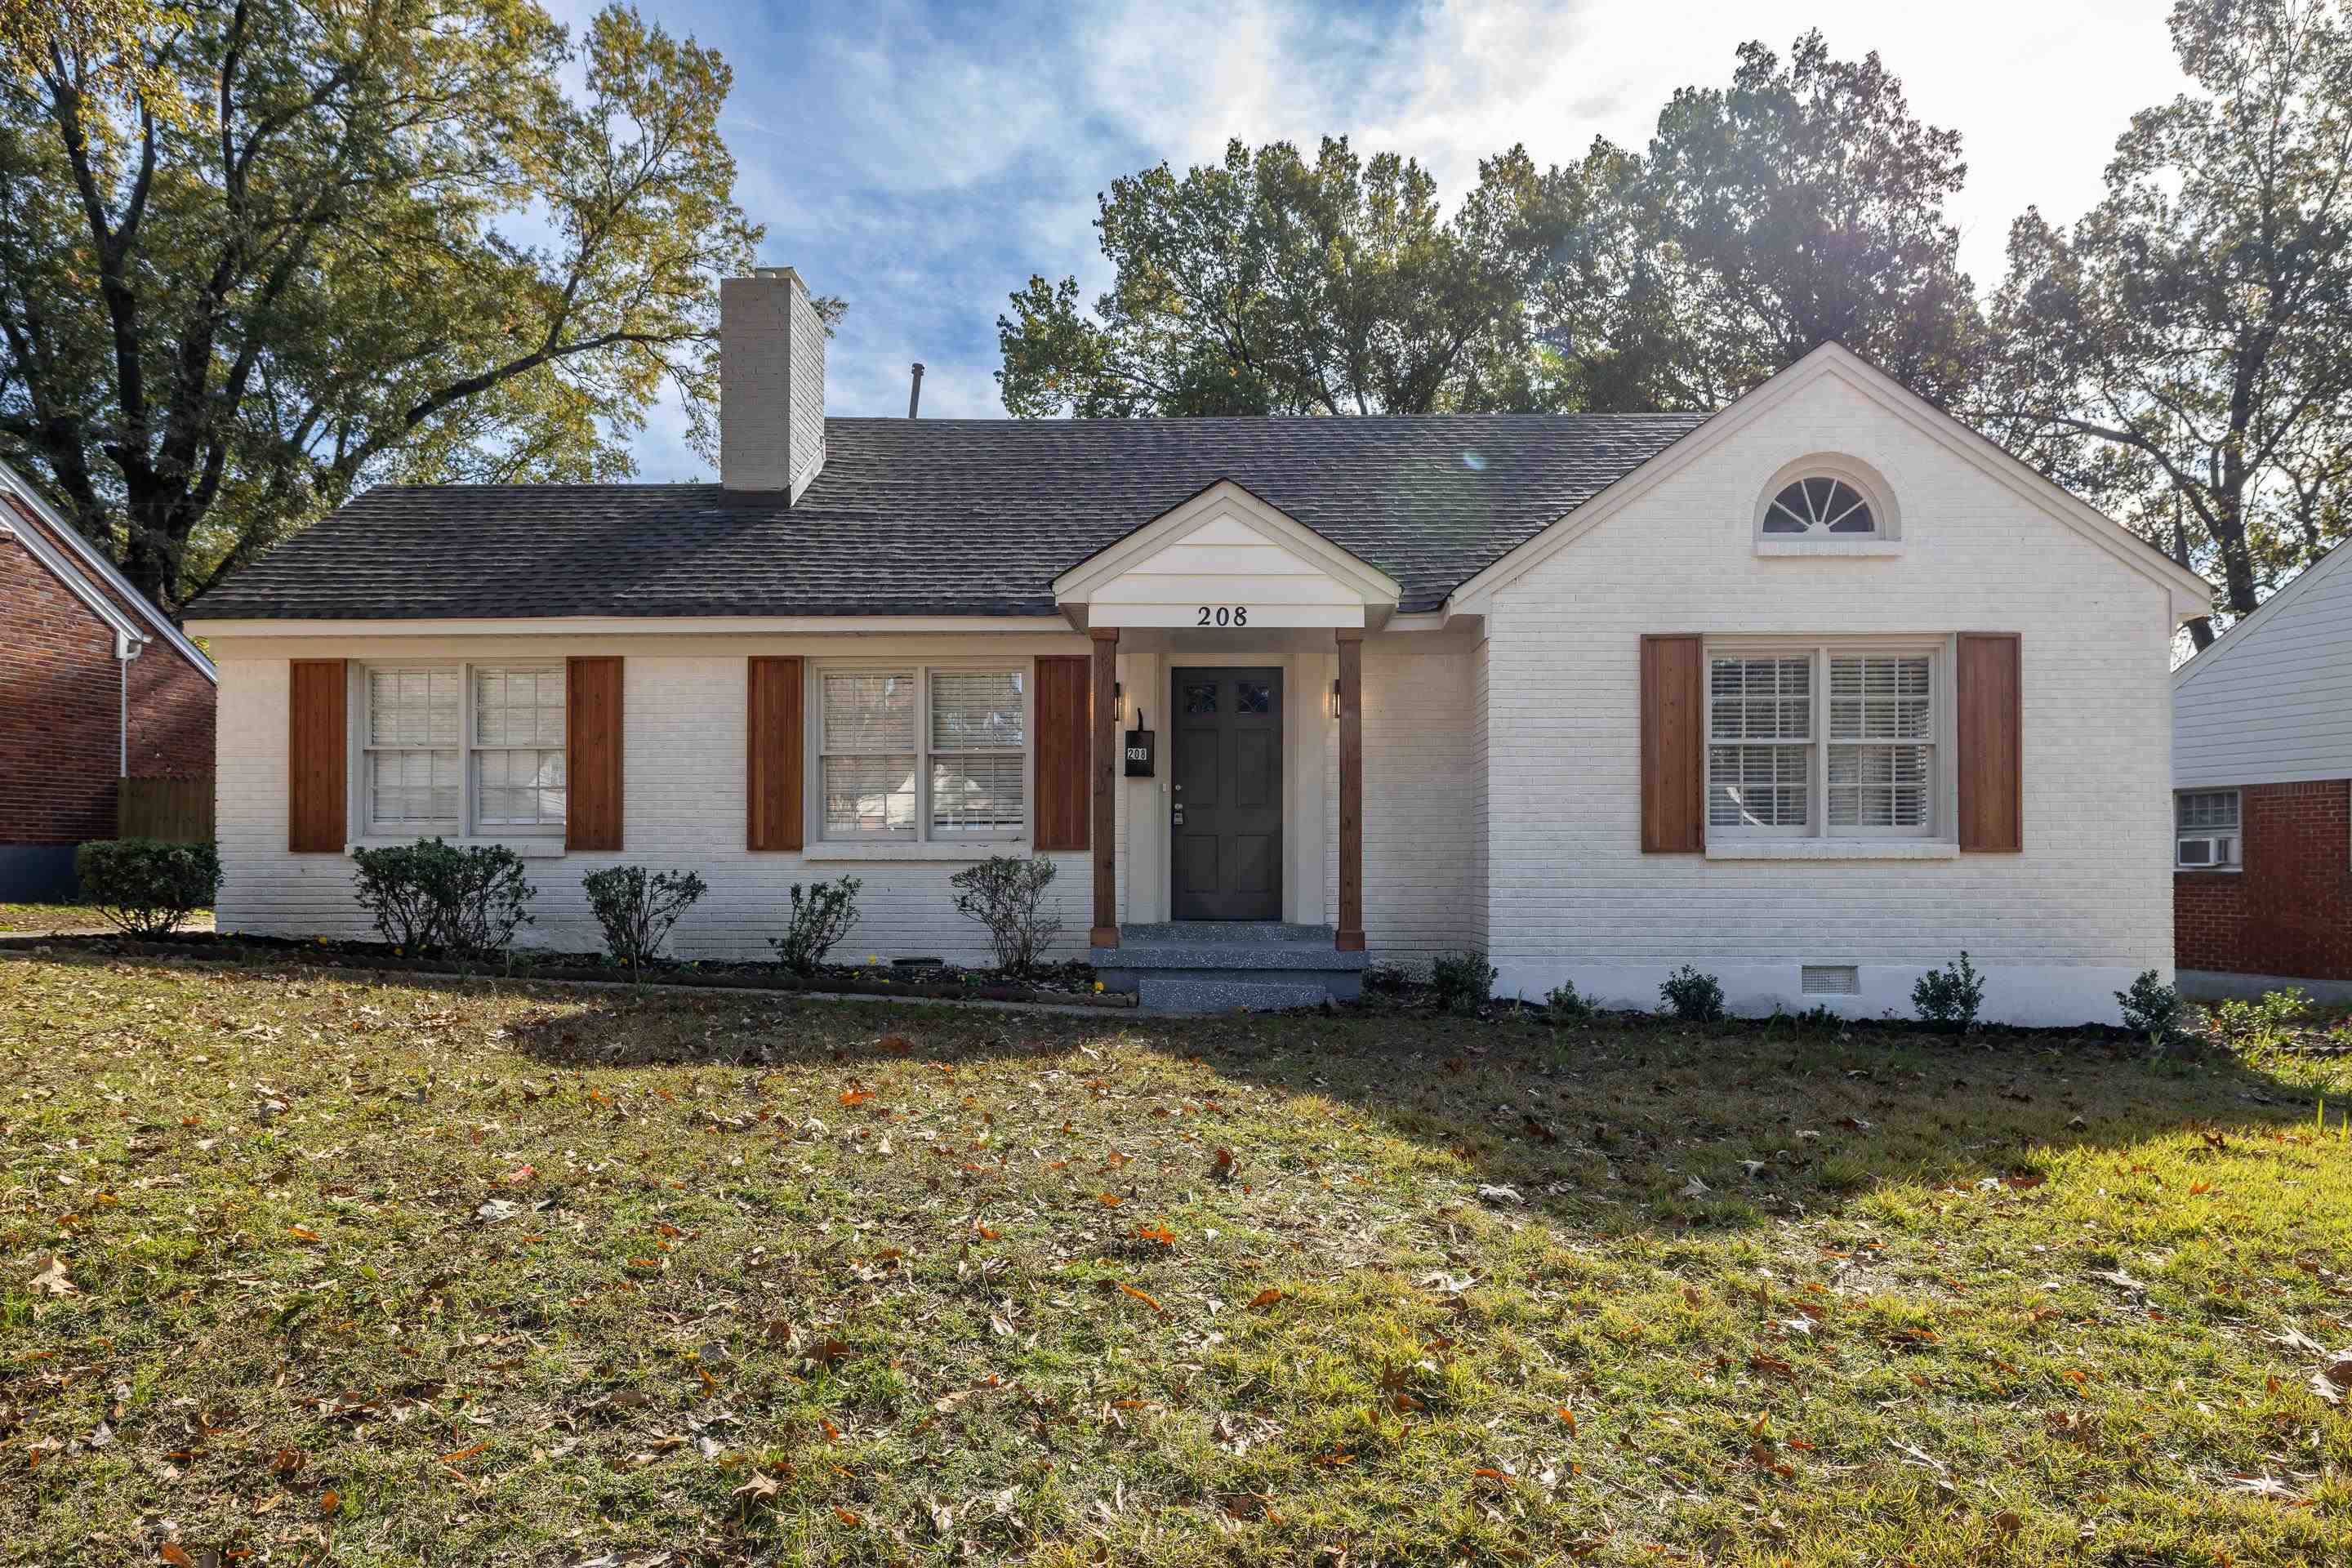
[1201,967]
[1193,993]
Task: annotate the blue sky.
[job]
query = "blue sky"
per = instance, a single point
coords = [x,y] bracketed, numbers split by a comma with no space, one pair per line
[923,160]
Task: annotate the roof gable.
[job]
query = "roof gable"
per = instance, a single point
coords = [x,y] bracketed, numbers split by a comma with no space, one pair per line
[87,574]
[2191,596]
[2283,604]
[1225,548]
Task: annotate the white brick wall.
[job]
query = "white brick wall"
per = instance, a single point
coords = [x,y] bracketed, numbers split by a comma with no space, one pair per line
[683,806]
[1420,784]
[2060,927]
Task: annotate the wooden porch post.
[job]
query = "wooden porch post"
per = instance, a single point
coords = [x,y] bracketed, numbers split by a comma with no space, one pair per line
[1350,937]
[1107,771]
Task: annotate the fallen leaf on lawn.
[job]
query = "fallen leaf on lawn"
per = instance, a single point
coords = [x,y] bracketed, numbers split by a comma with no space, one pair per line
[2019,1184]
[330,1502]
[846,1517]
[1111,1200]
[300,1233]
[1694,1188]
[52,1279]
[1265,1298]
[896,1043]
[2297,1340]
[460,1456]
[1147,1301]
[1220,1165]
[1498,1194]
[519,1176]
[1159,1233]
[2264,1487]
[270,1502]
[173,1553]
[2331,1380]
[758,1488]
[2120,1281]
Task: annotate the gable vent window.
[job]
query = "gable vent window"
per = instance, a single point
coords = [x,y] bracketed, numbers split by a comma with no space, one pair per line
[1830,980]
[1823,506]
[2205,827]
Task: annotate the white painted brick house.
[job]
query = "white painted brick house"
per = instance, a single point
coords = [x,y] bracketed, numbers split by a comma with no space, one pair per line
[1812,693]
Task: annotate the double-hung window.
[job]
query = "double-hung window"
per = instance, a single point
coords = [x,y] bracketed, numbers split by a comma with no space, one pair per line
[457,748]
[2205,830]
[922,753]
[1822,743]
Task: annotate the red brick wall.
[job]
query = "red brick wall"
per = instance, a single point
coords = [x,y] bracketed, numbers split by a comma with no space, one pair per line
[60,704]
[2289,913]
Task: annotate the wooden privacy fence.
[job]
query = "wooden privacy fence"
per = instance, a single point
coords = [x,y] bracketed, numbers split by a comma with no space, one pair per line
[175,808]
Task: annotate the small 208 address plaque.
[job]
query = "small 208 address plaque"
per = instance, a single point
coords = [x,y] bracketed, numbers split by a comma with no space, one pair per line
[1224,616]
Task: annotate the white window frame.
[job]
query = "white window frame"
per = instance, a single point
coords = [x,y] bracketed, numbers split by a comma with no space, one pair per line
[2229,840]
[922,669]
[1943,780]
[467,824]
[1885,517]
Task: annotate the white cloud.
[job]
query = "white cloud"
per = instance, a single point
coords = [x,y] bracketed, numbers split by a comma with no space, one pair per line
[924,164]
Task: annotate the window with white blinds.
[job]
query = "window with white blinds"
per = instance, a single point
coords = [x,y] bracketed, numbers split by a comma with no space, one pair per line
[1822,741]
[922,753]
[452,749]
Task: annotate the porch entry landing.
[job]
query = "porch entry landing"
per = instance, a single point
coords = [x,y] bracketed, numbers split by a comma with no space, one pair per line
[1209,967]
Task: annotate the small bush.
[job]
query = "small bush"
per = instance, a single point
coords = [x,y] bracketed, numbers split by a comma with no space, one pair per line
[434,897]
[1693,998]
[1463,980]
[1388,979]
[2151,1008]
[822,913]
[2257,1028]
[638,907]
[1950,996]
[1564,1004]
[1006,894]
[146,886]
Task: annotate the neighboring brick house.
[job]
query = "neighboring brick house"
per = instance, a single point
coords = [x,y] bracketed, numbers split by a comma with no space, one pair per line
[1813,693]
[96,684]
[2262,769]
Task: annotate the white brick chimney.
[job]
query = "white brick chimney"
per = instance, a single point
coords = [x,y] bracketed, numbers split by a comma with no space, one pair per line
[771,383]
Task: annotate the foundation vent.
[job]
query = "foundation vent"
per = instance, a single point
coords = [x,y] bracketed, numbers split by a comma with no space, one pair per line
[1831,979]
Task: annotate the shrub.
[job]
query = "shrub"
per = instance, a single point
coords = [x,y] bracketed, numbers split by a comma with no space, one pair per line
[1950,996]
[145,886]
[1693,998]
[2257,1028]
[1004,894]
[822,915]
[2151,1008]
[1564,1004]
[1463,980]
[432,896]
[638,907]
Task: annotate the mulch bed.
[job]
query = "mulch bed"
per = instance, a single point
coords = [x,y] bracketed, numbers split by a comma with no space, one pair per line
[1067,984]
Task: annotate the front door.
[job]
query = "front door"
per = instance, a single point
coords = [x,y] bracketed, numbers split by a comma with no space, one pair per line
[1226,810]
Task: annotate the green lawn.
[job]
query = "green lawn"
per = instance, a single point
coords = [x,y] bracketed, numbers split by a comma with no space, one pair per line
[323,1270]
[81,918]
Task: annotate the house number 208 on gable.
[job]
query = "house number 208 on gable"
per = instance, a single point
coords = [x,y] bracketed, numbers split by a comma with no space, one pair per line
[1224,616]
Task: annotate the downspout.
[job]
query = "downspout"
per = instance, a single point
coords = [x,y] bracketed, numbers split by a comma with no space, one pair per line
[126,648]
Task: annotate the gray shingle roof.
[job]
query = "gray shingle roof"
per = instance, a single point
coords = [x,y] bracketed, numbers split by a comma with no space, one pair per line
[946,516]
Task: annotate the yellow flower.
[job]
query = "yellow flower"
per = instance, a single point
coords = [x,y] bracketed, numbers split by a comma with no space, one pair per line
[871,959]
[1098,986]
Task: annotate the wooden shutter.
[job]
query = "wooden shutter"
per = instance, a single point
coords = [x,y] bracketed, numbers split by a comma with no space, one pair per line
[317,754]
[1064,749]
[1673,740]
[773,762]
[591,747]
[1991,692]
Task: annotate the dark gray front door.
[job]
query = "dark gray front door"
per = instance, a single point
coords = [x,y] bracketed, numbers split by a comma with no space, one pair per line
[1225,808]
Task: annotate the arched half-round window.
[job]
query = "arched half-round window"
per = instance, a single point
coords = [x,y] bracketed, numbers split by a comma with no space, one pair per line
[1820,506]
